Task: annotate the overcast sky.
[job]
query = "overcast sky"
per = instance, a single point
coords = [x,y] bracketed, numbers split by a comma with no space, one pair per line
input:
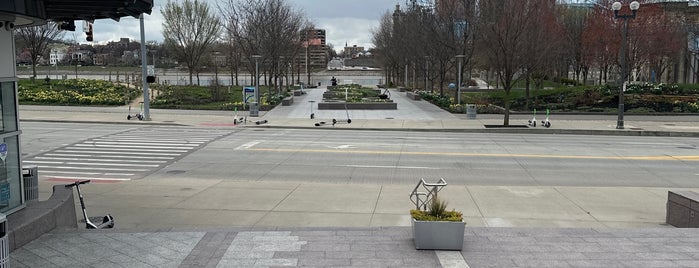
[350,21]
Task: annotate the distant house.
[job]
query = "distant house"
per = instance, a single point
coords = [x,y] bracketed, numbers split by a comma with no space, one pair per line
[57,54]
[353,52]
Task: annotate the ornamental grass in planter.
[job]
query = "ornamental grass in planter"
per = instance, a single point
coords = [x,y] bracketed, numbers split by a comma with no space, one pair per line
[437,228]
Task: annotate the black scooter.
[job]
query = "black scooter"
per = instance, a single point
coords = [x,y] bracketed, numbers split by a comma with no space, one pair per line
[92,223]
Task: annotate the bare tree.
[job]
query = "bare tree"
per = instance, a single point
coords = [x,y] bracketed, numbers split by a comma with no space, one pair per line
[505,38]
[189,30]
[269,28]
[37,38]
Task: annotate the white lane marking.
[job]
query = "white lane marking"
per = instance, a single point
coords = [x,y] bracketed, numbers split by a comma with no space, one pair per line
[451,259]
[44,172]
[401,167]
[247,145]
[90,163]
[140,145]
[345,146]
[109,164]
[113,156]
[121,148]
[99,160]
[89,178]
[94,168]
[140,141]
[120,153]
[41,162]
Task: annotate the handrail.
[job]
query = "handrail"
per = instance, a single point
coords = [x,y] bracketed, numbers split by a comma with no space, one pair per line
[431,190]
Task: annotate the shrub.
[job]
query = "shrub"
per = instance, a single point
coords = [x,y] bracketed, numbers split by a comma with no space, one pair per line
[438,212]
[74,92]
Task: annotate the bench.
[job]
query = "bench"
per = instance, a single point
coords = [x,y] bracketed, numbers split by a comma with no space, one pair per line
[413,96]
[682,209]
[40,217]
[287,101]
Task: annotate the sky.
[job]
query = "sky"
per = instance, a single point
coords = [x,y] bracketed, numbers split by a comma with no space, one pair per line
[350,21]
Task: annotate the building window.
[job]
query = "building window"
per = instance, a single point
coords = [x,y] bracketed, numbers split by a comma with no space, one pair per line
[10,172]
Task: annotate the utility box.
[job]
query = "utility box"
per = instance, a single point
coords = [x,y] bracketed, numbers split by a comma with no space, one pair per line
[682,209]
[30,180]
[471,111]
[4,243]
[254,109]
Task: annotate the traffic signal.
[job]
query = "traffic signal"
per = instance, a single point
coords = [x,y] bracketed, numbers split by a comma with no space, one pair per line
[89,33]
[66,25]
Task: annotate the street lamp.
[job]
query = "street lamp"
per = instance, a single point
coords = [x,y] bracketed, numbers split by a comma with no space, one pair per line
[616,6]
[458,86]
[214,61]
[254,112]
[427,71]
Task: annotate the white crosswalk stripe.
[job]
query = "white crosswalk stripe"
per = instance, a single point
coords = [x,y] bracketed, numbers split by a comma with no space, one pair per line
[123,156]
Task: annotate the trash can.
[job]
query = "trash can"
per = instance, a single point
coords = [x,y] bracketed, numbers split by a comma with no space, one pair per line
[471,111]
[30,180]
[254,109]
[4,243]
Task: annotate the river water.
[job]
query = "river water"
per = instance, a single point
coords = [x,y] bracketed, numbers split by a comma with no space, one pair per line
[172,78]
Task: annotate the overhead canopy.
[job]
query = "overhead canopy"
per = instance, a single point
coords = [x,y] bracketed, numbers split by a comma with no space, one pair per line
[92,10]
[30,12]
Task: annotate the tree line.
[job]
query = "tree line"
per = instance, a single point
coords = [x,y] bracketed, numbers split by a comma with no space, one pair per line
[524,41]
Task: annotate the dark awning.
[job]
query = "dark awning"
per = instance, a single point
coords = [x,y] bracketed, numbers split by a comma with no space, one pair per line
[95,9]
[29,12]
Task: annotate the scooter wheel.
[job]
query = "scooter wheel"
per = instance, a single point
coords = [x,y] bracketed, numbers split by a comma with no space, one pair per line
[548,124]
[128,117]
[349,121]
[140,117]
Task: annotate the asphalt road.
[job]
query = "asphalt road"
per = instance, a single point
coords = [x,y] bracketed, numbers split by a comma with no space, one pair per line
[394,157]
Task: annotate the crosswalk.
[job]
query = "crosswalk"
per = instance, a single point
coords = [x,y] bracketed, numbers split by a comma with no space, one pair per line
[122,156]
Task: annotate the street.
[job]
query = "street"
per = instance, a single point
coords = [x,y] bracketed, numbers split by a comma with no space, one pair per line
[373,157]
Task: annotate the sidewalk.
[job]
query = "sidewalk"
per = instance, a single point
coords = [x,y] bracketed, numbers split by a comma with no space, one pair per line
[196,222]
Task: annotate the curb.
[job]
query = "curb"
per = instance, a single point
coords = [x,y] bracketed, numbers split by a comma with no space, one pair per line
[637,133]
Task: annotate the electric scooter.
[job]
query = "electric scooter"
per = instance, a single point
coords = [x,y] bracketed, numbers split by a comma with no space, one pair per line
[532,122]
[546,122]
[107,222]
[138,115]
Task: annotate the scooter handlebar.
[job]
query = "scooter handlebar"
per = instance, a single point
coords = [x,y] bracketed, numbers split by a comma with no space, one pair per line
[77,183]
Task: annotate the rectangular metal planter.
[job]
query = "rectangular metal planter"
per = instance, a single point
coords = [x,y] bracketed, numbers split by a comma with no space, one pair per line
[438,235]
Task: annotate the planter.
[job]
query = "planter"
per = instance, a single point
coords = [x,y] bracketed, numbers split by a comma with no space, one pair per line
[438,235]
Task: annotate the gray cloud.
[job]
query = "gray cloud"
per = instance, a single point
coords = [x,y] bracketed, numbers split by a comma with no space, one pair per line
[344,21]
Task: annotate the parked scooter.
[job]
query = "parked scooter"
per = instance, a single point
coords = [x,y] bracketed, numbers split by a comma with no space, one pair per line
[532,123]
[546,122]
[138,115]
[105,222]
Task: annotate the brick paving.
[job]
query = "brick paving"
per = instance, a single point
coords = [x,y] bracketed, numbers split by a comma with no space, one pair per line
[366,247]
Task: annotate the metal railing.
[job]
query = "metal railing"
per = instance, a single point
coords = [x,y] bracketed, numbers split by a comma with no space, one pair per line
[424,192]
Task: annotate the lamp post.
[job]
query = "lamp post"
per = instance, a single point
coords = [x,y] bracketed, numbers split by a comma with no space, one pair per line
[458,86]
[427,71]
[616,6]
[254,112]
[280,72]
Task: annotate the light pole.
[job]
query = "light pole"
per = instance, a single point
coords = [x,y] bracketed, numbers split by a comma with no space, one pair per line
[458,86]
[616,6]
[254,112]
[144,73]
[427,71]
[279,76]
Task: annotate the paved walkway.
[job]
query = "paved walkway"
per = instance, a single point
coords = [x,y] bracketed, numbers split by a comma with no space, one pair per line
[204,238]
